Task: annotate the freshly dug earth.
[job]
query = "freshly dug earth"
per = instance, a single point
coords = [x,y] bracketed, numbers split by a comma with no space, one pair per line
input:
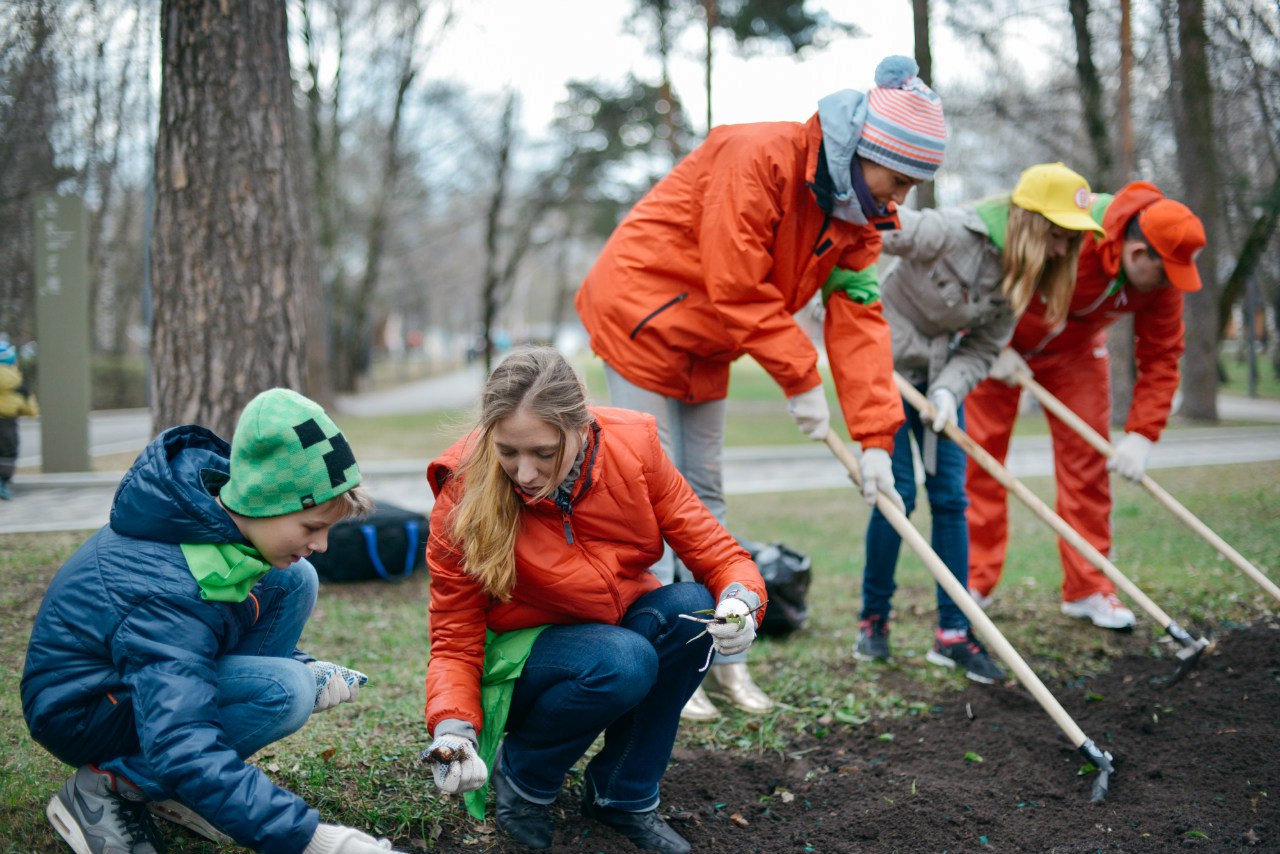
[986,769]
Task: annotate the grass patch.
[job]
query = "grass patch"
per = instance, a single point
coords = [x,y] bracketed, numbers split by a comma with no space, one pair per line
[357,763]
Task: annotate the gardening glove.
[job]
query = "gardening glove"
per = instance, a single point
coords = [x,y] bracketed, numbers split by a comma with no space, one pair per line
[811,413]
[732,637]
[944,408]
[877,476]
[1130,458]
[336,839]
[1006,365]
[455,764]
[335,684]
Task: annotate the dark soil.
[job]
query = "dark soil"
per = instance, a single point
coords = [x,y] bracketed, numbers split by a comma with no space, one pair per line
[987,769]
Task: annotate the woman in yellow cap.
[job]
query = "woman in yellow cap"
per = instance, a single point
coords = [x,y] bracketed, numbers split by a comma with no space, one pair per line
[961,277]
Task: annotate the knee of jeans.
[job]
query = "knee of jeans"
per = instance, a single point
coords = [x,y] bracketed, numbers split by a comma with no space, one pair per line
[907,489]
[952,502]
[298,693]
[626,669]
[690,597]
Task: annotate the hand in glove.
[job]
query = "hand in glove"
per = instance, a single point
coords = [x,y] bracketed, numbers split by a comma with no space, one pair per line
[1130,458]
[335,839]
[455,764]
[811,413]
[1006,365]
[734,636]
[877,476]
[335,684]
[944,407]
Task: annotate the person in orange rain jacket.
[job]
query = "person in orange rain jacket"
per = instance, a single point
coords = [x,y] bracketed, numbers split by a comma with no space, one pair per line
[545,621]
[1142,266]
[714,262]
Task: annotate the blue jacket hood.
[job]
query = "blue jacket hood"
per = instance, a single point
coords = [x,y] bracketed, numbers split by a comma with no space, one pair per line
[842,115]
[166,496]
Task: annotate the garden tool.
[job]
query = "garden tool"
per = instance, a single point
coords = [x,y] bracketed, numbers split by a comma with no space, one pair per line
[982,624]
[1190,649]
[1064,414]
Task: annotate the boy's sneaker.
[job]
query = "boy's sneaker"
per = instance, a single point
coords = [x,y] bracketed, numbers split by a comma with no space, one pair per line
[97,812]
[6,491]
[966,652]
[984,602]
[1103,609]
[873,639]
[179,813]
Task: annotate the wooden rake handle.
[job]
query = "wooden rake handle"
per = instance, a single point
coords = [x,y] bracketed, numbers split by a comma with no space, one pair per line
[1064,414]
[1038,507]
[977,617]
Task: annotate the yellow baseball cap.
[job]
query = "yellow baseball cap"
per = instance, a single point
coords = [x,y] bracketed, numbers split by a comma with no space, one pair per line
[1058,194]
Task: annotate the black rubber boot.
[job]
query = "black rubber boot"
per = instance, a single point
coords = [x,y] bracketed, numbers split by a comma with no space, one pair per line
[524,821]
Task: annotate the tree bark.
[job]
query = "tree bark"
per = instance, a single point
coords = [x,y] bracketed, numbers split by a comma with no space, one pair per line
[1095,114]
[926,196]
[1198,164]
[231,250]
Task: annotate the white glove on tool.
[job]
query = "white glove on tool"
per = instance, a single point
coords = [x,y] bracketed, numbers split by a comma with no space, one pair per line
[335,684]
[462,770]
[944,407]
[811,413]
[1006,365]
[732,638]
[336,839]
[1130,458]
[876,469]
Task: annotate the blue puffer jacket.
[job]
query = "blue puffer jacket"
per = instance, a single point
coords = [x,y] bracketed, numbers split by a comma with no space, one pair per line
[124,618]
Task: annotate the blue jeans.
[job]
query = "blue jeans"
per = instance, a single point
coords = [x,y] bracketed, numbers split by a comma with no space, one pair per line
[628,681]
[947,503]
[264,694]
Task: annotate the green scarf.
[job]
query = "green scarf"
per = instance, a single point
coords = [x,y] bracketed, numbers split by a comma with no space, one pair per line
[504,658]
[226,572]
[994,213]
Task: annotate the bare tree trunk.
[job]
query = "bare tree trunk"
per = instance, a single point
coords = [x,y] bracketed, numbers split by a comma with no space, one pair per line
[1095,114]
[1198,164]
[926,197]
[710,8]
[492,226]
[230,246]
[1250,254]
[1126,90]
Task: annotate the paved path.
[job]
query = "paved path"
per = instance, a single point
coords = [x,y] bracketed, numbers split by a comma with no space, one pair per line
[61,502]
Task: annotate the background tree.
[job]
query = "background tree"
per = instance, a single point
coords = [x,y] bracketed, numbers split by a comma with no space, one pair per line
[231,249]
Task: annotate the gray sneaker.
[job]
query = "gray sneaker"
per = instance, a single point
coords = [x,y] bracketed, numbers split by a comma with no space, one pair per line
[873,639]
[100,813]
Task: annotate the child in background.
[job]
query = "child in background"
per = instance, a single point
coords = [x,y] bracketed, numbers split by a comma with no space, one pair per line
[15,401]
[164,653]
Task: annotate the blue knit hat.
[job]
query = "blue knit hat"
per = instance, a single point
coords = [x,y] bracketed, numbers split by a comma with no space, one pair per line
[904,129]
[8,352]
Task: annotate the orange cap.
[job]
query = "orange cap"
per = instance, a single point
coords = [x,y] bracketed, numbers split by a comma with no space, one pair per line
[1178,235]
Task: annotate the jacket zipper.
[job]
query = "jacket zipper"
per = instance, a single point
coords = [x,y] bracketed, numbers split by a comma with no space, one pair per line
[651,315]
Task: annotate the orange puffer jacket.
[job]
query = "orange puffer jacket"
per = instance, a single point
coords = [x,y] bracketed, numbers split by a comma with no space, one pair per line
[587,565]
[714,261]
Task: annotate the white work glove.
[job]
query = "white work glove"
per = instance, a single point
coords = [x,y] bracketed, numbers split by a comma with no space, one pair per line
[335,684]
[811,413]
[876,469]
[732,637]
[336,839]
[944,407]
[455,765]
[1006,365]
[1130,458]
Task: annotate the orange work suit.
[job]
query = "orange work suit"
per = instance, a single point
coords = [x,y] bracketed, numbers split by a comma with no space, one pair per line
[1071,362]
[712,264]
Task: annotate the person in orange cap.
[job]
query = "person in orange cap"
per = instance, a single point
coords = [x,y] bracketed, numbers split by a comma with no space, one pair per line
[1142,266]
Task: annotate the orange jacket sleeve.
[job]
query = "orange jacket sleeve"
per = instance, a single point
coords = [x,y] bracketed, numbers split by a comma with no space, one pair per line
[858,346]
[1158,345]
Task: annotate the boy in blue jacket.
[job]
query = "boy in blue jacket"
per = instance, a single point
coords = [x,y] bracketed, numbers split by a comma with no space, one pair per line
[164,653]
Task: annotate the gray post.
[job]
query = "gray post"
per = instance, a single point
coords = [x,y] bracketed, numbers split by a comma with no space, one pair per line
[62,332]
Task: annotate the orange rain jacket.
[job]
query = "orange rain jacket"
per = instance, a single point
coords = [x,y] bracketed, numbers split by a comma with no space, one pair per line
[1101,298]
[586,564]
[714,261]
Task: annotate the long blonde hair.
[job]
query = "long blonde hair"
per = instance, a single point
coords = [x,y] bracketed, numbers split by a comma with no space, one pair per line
[1027,270]
[487,519]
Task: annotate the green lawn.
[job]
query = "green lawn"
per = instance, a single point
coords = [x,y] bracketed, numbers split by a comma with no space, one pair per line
[357,762]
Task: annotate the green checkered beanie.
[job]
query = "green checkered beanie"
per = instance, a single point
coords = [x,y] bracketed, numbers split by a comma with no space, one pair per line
[287,455]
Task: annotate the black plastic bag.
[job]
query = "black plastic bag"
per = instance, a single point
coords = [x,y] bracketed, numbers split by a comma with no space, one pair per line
[390,544]
[786,578]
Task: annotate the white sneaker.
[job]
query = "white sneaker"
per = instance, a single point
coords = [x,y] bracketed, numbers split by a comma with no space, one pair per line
[1103,609]
[984,602]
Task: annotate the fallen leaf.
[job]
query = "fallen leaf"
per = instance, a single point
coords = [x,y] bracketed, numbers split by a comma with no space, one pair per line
[737,819]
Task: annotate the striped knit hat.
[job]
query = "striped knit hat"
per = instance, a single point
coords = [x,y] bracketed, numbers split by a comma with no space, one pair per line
[904,129]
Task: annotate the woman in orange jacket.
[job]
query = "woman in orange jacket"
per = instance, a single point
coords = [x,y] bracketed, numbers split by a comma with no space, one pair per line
[546,622]
[714,262]
[1142,266]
